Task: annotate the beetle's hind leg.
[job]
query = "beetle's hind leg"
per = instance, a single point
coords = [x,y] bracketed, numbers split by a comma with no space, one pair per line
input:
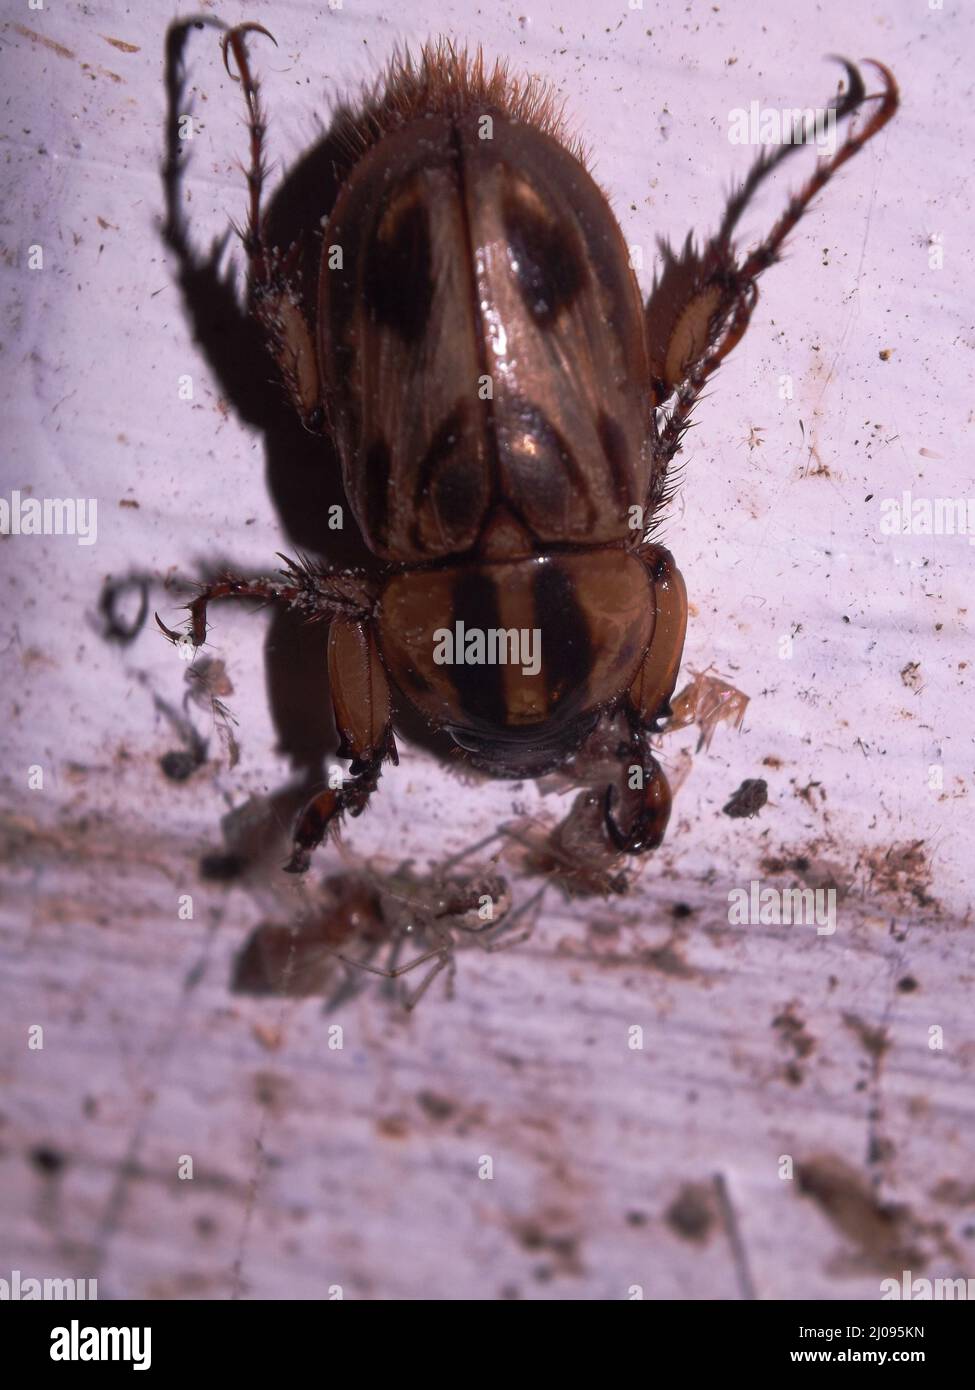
[702,303]
[275,290]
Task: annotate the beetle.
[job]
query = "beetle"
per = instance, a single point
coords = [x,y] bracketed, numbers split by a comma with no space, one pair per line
[506,410]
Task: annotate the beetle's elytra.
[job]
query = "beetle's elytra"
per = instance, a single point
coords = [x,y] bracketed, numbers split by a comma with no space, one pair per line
[506,409]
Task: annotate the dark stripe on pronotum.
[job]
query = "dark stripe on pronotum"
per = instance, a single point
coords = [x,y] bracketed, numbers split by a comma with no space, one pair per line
[480,689]
[566,644]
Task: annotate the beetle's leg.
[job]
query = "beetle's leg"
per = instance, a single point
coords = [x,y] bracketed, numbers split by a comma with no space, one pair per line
[648,702]
[360,690]
[701,305]
[363,717]
[307,587]
[649,695]
[648,794]
[275,289]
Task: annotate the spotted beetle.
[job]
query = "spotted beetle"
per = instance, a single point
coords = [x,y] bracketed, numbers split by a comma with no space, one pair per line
[506,410]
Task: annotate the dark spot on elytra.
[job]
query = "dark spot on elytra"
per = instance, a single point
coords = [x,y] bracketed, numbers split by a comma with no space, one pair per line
[613,440]
[397,280]
[539,463]
[545,257]
[452,479]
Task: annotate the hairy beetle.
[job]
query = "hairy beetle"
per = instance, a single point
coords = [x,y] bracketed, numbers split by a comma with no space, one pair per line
[506,410]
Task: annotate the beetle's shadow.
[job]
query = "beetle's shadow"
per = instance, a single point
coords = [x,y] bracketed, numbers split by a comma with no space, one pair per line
[303,474]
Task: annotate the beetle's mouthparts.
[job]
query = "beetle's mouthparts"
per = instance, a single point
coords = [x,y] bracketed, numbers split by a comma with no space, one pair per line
[528,752]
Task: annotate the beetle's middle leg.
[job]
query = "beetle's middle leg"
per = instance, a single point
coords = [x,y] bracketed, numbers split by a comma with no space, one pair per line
[360,689]
[275,289]
[702,304]
[363,716]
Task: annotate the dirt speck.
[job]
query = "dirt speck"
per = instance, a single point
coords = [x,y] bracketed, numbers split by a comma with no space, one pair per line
[903,871]
[794,1036]
[693,1212]
[34,37]
[748,800]
[271,1090]
[47,1160]
[559,1247]
[954,1192]
[667,960]
[393,1126]
[121,45]
[439,1108]
[881,1236]
[911,675]
[873,1039]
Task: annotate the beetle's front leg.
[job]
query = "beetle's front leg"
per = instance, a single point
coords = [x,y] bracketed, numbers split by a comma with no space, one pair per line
[275,289]
[647,797]
[363,717]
